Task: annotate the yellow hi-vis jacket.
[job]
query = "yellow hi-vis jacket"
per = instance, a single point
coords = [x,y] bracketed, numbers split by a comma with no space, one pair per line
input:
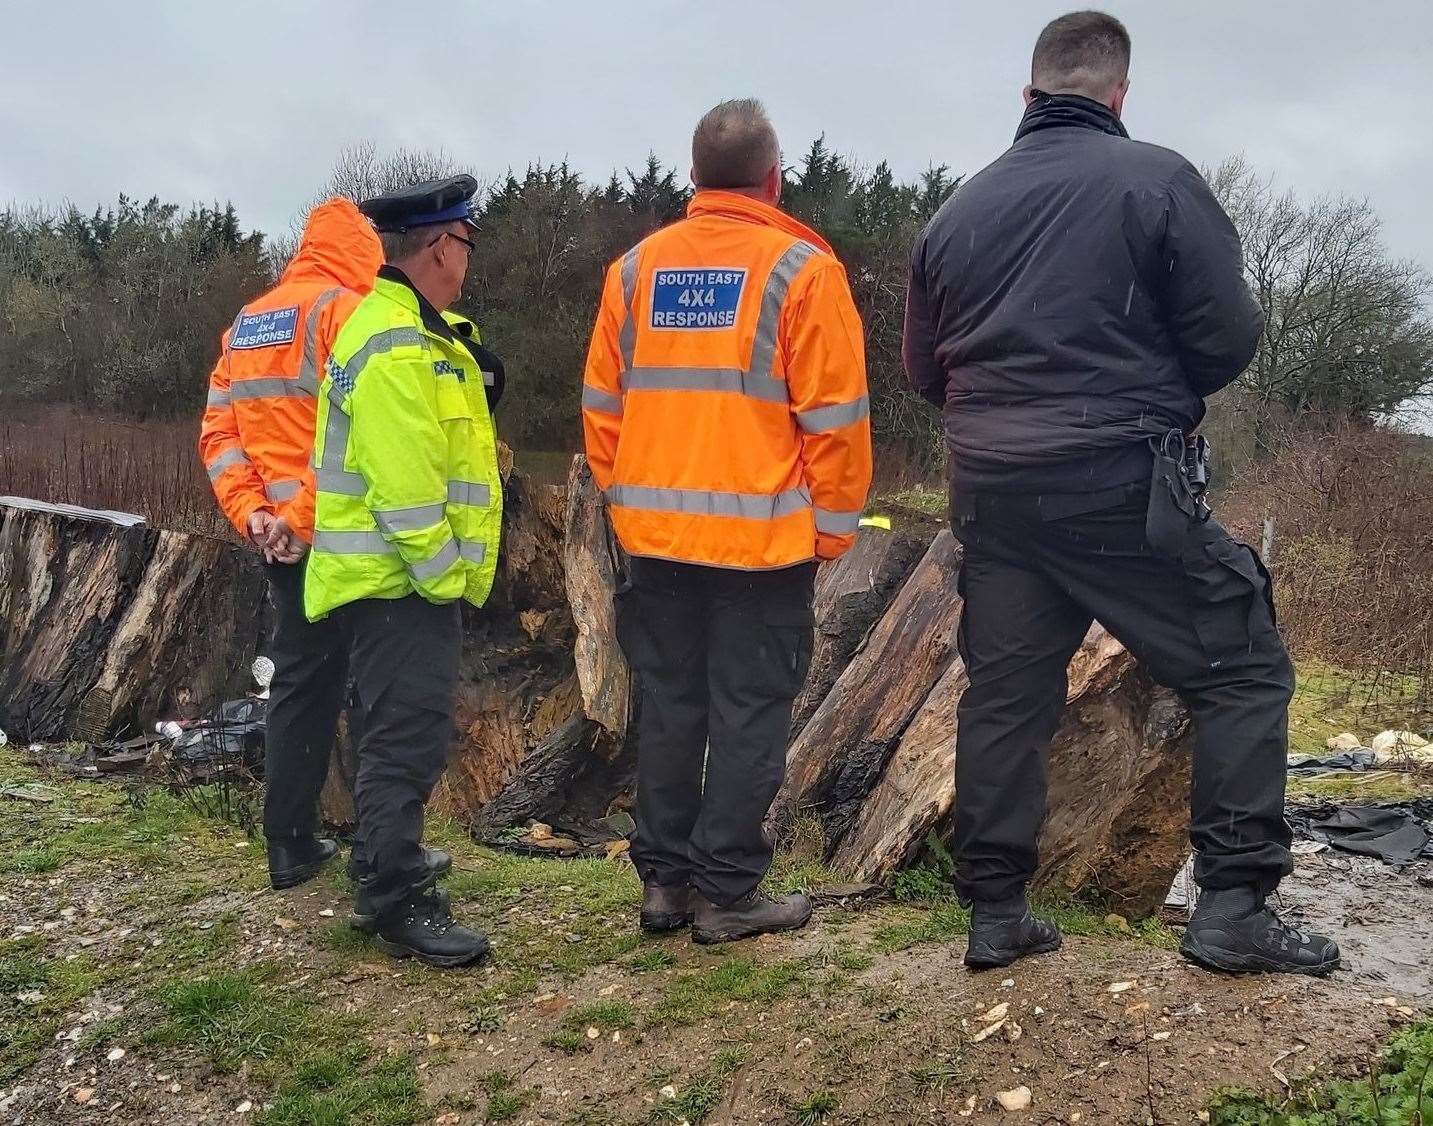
[407,493]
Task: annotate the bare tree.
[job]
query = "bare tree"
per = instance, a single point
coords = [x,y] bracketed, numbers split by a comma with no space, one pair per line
[1347,329]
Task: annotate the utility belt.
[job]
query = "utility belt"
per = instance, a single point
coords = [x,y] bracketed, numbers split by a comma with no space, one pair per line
[1179,482]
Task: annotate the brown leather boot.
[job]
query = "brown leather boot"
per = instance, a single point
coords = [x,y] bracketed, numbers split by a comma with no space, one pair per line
[666,908]
[752,914]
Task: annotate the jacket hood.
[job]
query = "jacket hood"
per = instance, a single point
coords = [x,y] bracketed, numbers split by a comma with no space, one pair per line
[712,201]
[338,247]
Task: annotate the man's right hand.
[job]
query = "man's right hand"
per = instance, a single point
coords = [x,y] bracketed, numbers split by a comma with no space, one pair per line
[284,545]
[261,526]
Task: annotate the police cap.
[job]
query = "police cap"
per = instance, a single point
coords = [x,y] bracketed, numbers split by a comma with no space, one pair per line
[433,201]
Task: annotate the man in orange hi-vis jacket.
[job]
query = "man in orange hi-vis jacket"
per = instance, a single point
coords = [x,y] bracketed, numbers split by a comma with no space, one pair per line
[725,413]
[257,444]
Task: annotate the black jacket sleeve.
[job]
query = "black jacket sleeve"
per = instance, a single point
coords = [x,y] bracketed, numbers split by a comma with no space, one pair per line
[925,373]
[1213,319]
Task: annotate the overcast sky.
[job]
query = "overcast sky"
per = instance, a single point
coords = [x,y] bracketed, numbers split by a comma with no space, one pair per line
[252,101]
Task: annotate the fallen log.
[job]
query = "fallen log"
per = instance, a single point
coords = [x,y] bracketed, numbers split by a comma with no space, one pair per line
[851,595]
[841,752]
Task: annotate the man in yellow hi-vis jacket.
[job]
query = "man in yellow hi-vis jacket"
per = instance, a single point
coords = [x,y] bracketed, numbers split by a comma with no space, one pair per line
[408,508]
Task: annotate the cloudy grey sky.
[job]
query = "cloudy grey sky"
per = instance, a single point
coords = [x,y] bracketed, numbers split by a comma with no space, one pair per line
[253,101]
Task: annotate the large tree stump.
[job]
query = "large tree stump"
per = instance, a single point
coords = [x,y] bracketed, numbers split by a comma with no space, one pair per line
[1119,773]
[104,627]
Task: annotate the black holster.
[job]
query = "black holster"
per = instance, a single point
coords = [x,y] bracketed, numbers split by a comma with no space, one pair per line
[1178,482]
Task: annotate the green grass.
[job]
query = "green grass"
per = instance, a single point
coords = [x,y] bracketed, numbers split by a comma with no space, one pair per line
[1399,1092]
[340,1090]
[702,1093]
[931,501]
[945,923]
[651,961]
[815,1109]
[1329,701]
[28,1027]
[504,1104]
[233,1019]
[692,997]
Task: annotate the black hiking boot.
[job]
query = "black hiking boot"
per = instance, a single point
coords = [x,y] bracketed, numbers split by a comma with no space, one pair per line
[438,861]
[667,908]
[1002,932]
[296,860]
[422,927]
[364,918]
[1234,930]
[754,913]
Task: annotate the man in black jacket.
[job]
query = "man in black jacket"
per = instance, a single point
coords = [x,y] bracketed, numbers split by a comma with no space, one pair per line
[1069,309]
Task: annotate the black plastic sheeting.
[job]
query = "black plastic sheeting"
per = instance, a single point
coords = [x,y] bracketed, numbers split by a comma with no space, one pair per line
[1344,760]
[230,735]
[1396,834]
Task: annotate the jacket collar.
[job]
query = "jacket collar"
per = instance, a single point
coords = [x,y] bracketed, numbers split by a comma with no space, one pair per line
[734,205]
[394,284]
[1069,111]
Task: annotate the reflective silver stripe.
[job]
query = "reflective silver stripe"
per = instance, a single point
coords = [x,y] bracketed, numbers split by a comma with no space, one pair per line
[701,502]
[820,419]
[415,519]
[269,387]
[432,568]
[332,477]
[385,341]
[217,398]
[353,543]
[282,490]
[596,400]
[473,551]
[763,348]
[706,379]
[627,337]
[837,523]
[235,456]
[490,378]
[308,374]
[474,493]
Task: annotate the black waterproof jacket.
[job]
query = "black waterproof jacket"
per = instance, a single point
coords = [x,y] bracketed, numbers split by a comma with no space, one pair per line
[1079,291]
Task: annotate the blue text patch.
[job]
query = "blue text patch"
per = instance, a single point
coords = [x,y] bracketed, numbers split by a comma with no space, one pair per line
[262,330]
[696,298]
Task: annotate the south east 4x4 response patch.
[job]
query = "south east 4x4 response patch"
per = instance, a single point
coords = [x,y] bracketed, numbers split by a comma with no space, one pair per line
[696,298]
[262,330]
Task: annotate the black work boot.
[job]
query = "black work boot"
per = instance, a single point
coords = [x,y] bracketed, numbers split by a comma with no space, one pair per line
[1005,930]
[422,927]
[295,860]
[1234,930]
[364,918]
[666,908]
[439,863]
[754,913]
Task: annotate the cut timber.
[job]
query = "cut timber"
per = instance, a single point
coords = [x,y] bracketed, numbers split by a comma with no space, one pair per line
[586,760]
[851,594]
[591,562]
[1119,772]
[105,628]
[842,750]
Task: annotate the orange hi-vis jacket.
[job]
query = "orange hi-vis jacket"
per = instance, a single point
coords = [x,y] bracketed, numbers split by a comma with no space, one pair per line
[724,402]
[256,440]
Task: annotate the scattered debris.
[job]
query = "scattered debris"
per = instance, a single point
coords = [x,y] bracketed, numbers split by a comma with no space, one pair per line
[1401,746]
[31,791]
[1017,1099]
[82,1094]
[997,1013]
[115,1055]
[1345,742]
[1390,832]
[1358,759]
[1121,986]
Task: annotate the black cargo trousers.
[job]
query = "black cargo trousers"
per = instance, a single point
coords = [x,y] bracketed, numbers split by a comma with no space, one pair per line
[1199,618]
[720,656]
[305,698]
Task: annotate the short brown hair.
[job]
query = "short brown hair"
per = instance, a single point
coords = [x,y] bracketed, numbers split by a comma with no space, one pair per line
[734,145]
[1081,53]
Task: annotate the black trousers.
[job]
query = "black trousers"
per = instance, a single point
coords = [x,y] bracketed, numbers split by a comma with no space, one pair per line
[405,669]
[305,698]
[1034,576]
[720,655]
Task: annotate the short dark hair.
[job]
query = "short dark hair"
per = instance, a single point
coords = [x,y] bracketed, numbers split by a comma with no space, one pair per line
[734,145]
[1081,53]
